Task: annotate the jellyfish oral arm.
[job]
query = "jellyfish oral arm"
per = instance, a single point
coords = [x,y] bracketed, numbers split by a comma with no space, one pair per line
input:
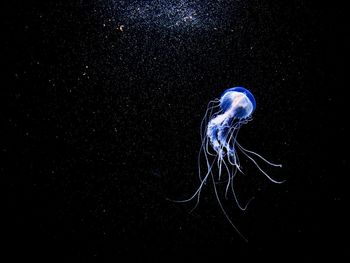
[215,130]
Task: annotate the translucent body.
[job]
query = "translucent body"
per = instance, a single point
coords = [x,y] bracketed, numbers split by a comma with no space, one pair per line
[219,130]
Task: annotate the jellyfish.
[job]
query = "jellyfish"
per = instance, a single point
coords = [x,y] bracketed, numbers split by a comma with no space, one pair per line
[219,146]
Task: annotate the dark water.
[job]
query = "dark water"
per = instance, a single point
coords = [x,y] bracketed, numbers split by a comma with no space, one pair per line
[103,106]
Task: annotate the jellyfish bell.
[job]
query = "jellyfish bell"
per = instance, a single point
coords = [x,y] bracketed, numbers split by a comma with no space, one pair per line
[239,101]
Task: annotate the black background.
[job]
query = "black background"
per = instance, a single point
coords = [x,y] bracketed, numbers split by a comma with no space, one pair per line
[102,126]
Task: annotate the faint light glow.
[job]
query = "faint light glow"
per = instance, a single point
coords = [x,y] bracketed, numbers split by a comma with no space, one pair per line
[120,28]
[173,15]
[162,14]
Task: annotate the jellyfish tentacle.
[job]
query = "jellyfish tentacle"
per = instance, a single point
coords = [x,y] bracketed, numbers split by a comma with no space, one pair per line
[199,188]
[203,129]
[230,183]
[208,114]
[261,170]
[256,154]
[203,182]
[224,211]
